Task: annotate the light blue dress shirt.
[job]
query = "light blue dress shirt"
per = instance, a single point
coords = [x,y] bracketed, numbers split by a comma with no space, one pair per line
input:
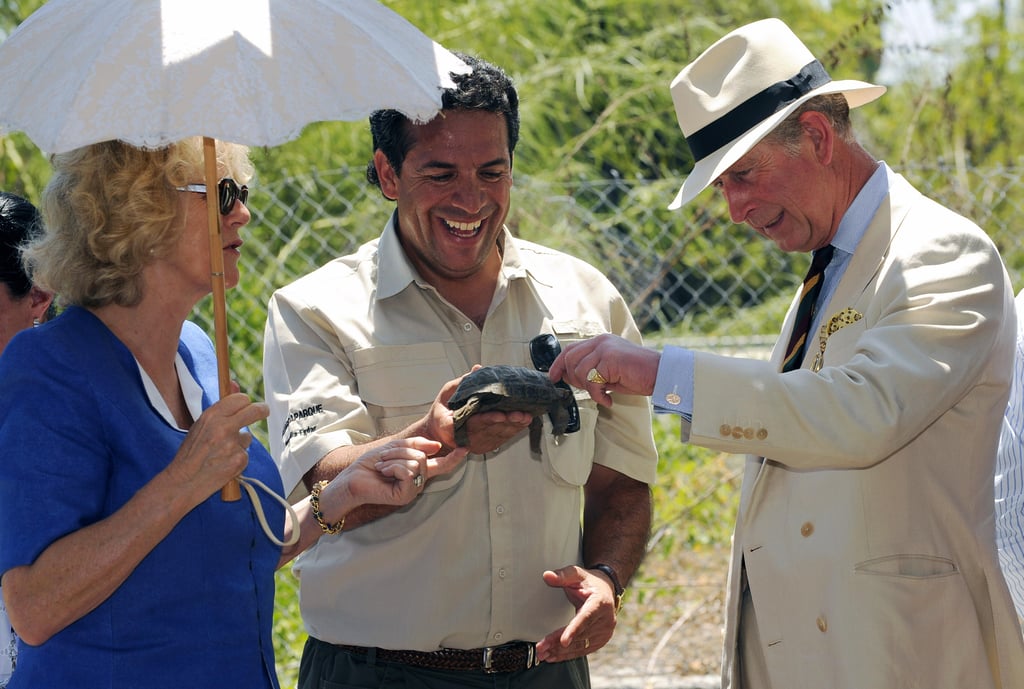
[1010,476]
[673,388]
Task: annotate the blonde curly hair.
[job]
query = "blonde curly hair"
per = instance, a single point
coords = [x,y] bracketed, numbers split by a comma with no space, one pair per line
[110,209]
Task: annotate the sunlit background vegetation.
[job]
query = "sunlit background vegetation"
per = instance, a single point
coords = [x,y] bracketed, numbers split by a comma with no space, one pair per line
[593,78]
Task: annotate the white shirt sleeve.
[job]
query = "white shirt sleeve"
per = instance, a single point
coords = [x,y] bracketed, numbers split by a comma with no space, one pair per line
[1009,478]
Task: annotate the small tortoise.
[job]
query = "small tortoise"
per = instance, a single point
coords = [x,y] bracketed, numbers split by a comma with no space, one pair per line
[510,388]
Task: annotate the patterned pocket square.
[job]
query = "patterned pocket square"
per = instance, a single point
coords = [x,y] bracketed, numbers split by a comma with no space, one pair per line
[839,320]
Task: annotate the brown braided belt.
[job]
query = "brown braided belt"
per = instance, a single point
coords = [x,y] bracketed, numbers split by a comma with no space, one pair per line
[510,657]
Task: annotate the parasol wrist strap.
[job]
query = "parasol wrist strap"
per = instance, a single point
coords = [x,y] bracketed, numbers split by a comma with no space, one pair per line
[250,484]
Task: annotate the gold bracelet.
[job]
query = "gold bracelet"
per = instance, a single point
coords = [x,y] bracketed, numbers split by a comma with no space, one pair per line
[314,502]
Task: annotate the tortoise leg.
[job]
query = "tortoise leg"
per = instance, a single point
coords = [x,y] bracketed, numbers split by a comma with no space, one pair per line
[460,417]
[536,429]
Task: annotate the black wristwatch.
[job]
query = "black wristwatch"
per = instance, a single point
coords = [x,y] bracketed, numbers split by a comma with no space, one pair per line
[600,566]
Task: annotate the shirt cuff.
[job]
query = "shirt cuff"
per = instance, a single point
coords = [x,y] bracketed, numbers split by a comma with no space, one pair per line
[673,388]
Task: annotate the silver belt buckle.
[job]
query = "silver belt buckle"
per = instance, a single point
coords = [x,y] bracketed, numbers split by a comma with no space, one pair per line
[488,658]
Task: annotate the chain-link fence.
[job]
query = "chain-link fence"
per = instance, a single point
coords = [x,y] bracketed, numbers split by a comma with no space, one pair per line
[690,275]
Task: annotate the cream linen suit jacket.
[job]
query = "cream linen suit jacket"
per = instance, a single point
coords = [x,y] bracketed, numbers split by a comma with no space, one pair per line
[868,531]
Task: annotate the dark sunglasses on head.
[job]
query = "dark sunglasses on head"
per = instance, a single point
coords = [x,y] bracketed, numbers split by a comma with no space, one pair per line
[544,349]
[228,192]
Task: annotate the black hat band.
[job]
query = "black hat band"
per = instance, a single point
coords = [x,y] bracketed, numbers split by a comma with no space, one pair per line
[756,109]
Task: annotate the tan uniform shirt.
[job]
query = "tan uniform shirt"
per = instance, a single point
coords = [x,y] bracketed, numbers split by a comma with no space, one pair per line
[360,348]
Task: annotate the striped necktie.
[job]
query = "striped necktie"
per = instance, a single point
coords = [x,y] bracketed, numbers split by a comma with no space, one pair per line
[806,308]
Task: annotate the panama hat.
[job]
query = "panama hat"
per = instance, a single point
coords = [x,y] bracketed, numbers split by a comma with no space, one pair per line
[740,89]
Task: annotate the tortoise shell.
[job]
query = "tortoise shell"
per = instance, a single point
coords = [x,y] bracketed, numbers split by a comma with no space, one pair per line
[510,388]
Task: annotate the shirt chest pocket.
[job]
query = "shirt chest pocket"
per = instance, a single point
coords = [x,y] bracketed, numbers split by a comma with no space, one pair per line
[398,383]
[569,458]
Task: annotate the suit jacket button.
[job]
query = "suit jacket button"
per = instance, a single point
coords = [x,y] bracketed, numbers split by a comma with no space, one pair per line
[725,429]
[807,529]
[737,432]
[822,624]
[762,433]
[748,433]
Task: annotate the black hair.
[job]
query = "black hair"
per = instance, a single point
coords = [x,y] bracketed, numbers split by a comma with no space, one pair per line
[486,88]
[19,222]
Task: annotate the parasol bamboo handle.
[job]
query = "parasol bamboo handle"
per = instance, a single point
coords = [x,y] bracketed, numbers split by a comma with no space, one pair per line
[231,490]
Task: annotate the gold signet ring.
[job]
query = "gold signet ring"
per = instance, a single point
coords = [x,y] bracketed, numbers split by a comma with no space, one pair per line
[594,376]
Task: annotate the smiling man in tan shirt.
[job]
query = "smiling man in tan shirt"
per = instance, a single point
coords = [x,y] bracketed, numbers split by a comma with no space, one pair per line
[490,570]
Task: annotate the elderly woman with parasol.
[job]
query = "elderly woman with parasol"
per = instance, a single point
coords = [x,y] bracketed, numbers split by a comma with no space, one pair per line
[121,565]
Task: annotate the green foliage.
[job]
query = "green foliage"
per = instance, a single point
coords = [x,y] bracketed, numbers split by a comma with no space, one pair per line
[593,75]
[23,169]
[289,632]
[13,12]
[963,136]
[696,494]
[974,115]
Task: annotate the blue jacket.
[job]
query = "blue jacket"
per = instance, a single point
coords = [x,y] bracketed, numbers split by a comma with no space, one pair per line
[79,438]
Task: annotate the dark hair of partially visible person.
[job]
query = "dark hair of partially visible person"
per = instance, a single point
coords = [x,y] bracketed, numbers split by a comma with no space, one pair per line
[19,222]
[486,88]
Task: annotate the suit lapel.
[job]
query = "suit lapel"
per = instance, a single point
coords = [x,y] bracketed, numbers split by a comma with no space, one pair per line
[871,253]
[867,259]
[779,350]
[865,263]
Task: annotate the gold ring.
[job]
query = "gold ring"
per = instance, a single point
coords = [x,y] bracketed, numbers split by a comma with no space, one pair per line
[594,376]
[417,480]
[586,643]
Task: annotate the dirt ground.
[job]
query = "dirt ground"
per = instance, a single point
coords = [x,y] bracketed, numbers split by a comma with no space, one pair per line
[671,627]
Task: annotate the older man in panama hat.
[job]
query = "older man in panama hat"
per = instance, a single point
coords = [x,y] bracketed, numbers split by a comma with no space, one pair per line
[864,554]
